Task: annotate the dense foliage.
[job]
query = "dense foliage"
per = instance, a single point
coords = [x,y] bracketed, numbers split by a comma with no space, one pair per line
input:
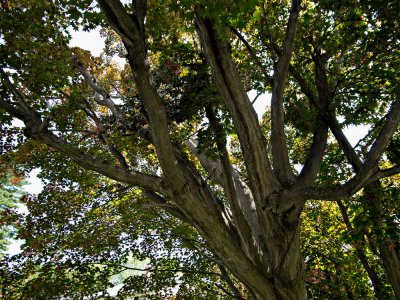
[160,179]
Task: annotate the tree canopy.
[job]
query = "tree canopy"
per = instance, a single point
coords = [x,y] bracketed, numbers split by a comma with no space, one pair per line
[160,170]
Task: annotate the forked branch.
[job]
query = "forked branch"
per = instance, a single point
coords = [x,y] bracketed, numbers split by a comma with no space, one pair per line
[253,144]
[101,96]
[278,139]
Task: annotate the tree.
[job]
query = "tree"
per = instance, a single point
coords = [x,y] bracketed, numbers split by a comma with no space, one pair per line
[10,192]
[339,264]
[175,130]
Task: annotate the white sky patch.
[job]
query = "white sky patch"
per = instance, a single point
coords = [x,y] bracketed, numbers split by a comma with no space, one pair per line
[92,41]
[355,133]
[15,247]
[261,103]
[88,40]
[35,185]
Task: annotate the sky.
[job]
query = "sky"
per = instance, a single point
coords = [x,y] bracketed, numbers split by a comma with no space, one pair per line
[93,42]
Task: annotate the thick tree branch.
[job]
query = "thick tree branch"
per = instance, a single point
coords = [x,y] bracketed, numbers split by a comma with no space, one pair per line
[19,109]
[150,182]
[121,21]
[13,110]
[229,184]
[101,96]
[225,276]
[244,196]
[323,107]
[381,142]
[131,30]
[191,193]
[36,129]
[389,128]
[227,292]
[368,168]
[331,120]
[328,116]
[343,142]
[139,8]
[252,141]
[241,201]
[338,192]
[314,158]
[366,172]
[169,207]
[385,173]
[315,155]
[117,173]
[278,139]
[333,193]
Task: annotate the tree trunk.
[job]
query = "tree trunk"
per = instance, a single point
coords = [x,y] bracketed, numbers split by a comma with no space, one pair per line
[283,272]
[283,242]
[282,275]
[391,262]
[280,262]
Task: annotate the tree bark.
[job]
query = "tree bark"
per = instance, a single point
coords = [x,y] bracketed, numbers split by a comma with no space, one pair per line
[391,262]
[286,277]
[279,217]
[283,240]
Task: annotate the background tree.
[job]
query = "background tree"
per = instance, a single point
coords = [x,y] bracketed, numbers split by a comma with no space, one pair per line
[144,149]
[10,193]
[333,258]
